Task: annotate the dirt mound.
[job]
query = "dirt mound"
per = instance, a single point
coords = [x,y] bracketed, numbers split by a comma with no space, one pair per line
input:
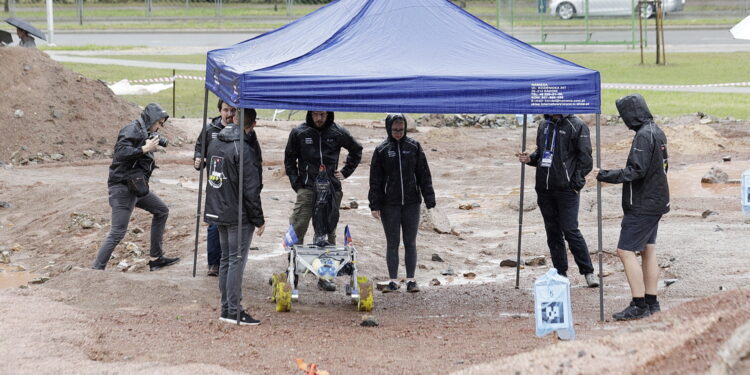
[52,113]
[687,140]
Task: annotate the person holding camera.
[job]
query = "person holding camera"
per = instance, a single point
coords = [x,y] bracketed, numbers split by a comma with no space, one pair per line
[132,164]
[562,160]
[212,129]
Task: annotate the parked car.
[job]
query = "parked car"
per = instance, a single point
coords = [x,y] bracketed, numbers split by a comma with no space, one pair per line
[567,9]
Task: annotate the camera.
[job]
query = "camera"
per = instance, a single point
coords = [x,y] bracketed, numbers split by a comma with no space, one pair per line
[163,141]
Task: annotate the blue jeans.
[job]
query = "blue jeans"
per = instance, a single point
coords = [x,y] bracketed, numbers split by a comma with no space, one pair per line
[213,245]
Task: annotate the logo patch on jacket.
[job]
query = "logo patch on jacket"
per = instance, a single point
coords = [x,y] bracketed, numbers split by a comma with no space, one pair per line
[391,154]
[308,141]
[216,175]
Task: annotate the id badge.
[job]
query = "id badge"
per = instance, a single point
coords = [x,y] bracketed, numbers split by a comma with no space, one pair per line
[546,159]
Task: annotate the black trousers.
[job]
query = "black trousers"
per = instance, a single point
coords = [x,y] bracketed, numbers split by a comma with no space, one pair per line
[560,212]
[398,219]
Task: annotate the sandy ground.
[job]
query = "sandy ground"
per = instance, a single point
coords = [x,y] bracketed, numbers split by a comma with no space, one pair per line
[85,321]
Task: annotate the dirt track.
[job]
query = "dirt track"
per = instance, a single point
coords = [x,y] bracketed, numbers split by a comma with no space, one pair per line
[82,321]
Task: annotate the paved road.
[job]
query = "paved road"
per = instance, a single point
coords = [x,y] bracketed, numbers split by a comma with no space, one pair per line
[690,40]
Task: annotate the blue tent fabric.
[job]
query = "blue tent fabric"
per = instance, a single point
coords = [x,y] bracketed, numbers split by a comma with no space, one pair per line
[415,56]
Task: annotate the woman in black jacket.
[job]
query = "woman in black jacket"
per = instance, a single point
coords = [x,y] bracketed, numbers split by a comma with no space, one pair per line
[399,178]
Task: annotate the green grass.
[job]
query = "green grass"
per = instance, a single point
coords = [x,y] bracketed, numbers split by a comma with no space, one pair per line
[88,47]
[683,69]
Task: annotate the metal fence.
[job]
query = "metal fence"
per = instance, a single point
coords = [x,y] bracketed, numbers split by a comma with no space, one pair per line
[534,21]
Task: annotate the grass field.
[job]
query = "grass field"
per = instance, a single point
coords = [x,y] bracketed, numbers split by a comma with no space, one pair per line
[683,69]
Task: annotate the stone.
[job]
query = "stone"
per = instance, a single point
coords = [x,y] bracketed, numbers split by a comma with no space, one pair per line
[468,206]
[509,263]
[434,282]
[715,176]
[668,282]
[57,114]
[708,213]
[734,353]
[434,219]
[4,204]
[353,205]
[39,280]
[437,258]
[448,272]
[528,204]
[470,275]
[56,157]
[380,285]
[18,113]
[536,261]
[726,158]
[717,228]
[89,153]
[606,273]
[87,223]
[369,321]
[16,248]
[133,249]
[123,266]
[26,67]
[137,230]
[422,267]
[5,257]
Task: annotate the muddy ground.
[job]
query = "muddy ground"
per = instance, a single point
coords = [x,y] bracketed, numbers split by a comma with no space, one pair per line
[85,321]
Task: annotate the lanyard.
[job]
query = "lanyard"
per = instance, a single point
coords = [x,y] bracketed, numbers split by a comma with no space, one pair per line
[546,137]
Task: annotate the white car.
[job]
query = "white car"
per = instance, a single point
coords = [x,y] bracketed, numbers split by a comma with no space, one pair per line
[567,9]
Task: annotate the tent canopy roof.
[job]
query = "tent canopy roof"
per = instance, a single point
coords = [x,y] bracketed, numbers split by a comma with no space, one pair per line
[398,56]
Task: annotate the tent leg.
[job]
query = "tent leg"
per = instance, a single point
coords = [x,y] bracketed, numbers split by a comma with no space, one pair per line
[520,204]
[599,215]
[200,182]
[241,167]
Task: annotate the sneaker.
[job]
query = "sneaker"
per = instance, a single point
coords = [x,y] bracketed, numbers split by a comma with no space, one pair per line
[245,319]
[391,287]
[213,270]
[654,308]
[224,315]
[632,312]
[591,280]
[328,286]
[161,262]
[411,287]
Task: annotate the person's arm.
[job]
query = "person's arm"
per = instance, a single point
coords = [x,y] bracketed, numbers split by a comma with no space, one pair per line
[584,162]
[424,178]
[291,156]
[354,154]
[129,145]
[375,195]
[251,188]
[536,155]
[636,167]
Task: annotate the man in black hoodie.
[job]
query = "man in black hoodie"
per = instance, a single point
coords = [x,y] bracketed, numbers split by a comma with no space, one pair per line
[132,164]
[645,198]
[226,115]
[317,142]
[222,196]
[563,159]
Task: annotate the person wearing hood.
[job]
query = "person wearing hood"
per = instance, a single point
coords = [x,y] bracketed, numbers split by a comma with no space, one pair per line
[226,115]
[562,159]
[399,179]
[222,196]
[645,198]
[132,164]
[314,144]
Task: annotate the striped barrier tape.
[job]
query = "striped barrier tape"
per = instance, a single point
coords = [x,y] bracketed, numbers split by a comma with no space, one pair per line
[168,79]
[645,87]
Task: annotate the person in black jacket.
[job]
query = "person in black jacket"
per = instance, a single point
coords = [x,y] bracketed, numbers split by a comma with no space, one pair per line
[317,142]
[222,197]
[132,164]
[563,159]
[226,115]
[399,178]
[645,198]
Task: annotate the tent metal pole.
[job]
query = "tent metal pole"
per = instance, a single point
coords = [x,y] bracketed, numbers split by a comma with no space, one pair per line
[520,204]
[599,215]
[200,180]
[241,167]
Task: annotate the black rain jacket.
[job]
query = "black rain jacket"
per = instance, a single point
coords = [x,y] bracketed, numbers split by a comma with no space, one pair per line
[309,147]
[222,191]
[399,173]
[212,131]
[645,190]
[571,159]
[128,159]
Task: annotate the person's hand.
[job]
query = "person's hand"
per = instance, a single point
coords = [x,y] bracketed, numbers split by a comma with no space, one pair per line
[339,175]
[600,174]
[150,145]
[197,163]
[376,214]
[260,230]
[523,157]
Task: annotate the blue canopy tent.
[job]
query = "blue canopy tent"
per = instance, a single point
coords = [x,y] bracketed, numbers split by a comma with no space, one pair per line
[415,56]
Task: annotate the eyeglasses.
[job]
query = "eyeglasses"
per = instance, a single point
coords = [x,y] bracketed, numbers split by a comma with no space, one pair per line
[397,130]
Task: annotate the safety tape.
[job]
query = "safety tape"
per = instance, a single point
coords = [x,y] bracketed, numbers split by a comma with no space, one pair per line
[644,87]
[168,79]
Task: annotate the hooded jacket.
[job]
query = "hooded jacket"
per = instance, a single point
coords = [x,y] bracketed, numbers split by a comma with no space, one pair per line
[222,191]
[645,190]
[212,131]
[128,159]
[399,173]
[571,157]
[308,147]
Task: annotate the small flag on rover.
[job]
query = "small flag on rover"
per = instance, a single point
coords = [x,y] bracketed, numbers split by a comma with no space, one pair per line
[290,238]
[347,236]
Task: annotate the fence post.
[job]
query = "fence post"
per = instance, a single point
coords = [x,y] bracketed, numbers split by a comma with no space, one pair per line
[174,93]
[80,11]
[12,7]
[219,11]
